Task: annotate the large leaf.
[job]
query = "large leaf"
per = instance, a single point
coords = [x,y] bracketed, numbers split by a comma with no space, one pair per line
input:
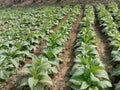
[45,79]
[31,82]
[84,85]
[105,84]
[93,88]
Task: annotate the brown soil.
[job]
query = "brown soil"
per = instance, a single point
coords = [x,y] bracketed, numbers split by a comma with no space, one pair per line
[61,80]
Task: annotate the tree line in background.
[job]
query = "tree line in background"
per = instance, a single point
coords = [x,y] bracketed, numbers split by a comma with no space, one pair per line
[8,3]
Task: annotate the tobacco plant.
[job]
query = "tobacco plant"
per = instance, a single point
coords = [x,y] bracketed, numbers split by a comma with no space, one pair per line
[88,73]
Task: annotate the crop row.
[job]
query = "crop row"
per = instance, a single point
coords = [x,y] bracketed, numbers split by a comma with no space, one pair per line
[21,31]
[115,12]
[110,28]
[88,72]
[28,27]
[49,60]
[47,63]
[17,37]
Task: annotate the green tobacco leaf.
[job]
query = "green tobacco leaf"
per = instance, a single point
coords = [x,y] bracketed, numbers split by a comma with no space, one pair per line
[87,73]
[116,72]
[93,88]
[22,82]
[31,82]
[84,85]
[94,79]
[45,79]
[102,74]
[105,84]
[116,56]
[83,60]
[77,80]
[44,67]
[14,62]
[4,74]
[39,87]
[76,69]
[75,87]
[94,69]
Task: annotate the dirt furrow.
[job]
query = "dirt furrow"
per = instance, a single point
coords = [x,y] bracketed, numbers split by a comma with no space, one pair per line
[61,80]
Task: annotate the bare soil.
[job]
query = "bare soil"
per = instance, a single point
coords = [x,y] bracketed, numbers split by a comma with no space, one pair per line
[61,79]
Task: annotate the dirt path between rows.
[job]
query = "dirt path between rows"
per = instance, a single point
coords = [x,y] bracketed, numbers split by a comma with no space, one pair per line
[61,80]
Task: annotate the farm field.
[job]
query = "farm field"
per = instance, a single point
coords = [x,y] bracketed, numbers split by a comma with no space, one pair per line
[75,47]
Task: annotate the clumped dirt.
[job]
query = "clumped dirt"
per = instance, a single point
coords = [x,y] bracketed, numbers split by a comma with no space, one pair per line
[61,80]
